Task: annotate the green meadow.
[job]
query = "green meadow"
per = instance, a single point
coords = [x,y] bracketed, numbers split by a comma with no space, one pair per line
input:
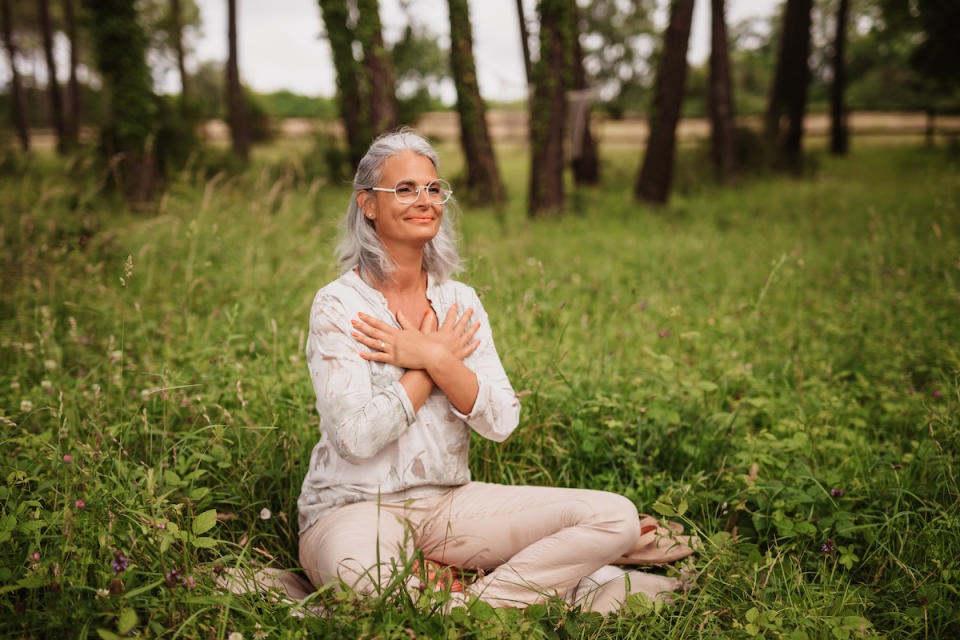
[776,364]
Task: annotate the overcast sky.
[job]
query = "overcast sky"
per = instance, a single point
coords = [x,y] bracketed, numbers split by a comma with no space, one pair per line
[281,47]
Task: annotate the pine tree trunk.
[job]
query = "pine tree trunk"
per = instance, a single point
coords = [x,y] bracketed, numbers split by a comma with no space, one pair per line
[236,105]
[839,134]
[583,157]
[353,107]
[377,66]
[53,87]
[72,111]
[17,98]
[177,34]
[789,93]
[525,43]
[656,175]
[548,108]
[483,178]
[120,46]
[721,96]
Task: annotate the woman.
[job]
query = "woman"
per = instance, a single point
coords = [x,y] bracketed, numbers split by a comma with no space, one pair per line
[403,364]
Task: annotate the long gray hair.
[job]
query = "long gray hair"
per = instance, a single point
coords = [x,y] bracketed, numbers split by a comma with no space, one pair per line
[359,244]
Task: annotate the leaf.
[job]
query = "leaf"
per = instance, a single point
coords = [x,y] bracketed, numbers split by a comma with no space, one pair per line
[108,635]
[204,542]
[638,604]
[204,522]
[753,614]
[8,522]
[664,509]
[127,621]
[682,507]
[142,589]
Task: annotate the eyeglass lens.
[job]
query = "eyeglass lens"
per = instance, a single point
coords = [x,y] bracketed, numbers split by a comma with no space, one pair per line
[438,191]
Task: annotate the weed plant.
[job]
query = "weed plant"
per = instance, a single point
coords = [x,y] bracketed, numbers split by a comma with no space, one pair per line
[775,364]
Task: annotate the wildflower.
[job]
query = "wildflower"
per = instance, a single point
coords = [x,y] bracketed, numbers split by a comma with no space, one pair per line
[236,635]
[49,365]
[265,514]
[189,582]
[827,546]
[25,406]
[172,577]
[67,458]
[836,493]
[46,384]
[102,593]
[35,556]
[79,504]
[937,393]
[120,562]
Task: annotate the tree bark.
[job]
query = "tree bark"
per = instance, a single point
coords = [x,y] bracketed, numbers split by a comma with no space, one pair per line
[72,111]
[548,108]
[178,48]
[656,175]
[53,87]
[789,92]
[721,96]
[17,98]
[483,178]
[120,46]
[378,68]
[583,156]
[839,135]
[352,105]
[525,43]
[236,105]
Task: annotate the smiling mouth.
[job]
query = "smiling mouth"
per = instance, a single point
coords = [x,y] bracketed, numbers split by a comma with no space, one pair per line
[420,218]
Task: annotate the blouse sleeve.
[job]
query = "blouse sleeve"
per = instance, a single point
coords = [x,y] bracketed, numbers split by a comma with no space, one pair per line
[360,418]
[496,411]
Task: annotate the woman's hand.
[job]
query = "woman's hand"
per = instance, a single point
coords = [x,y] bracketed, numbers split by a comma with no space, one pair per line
[412,347]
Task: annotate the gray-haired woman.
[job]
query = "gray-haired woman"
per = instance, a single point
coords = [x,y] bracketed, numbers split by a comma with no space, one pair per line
[404,366]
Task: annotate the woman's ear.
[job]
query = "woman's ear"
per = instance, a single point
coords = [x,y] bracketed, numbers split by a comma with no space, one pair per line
[367,204]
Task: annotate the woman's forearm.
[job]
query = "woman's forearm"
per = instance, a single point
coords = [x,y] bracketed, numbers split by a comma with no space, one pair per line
[418,385]
[455,379]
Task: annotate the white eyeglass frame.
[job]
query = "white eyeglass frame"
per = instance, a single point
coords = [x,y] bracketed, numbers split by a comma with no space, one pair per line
[448,190]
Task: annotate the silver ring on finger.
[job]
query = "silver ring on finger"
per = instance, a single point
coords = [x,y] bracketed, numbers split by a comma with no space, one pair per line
[383,346]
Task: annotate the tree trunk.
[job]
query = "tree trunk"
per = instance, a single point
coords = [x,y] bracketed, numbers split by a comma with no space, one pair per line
[839,135]
[53,87]
[525,42]
[656,175]
[236,105]
[72,111]
[548,108]
[17,98]
[721,96]
[790,83]
[178,47]
[483,178]
[353,107]
[378,68]
[120,46]
[583,155]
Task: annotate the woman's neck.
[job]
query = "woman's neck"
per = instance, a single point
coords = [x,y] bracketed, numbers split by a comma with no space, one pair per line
[407,277]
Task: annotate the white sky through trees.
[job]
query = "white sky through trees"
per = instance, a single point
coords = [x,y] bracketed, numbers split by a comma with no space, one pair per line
[280,45]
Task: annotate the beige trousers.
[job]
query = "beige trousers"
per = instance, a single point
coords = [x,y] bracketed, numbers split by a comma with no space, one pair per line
[532,542]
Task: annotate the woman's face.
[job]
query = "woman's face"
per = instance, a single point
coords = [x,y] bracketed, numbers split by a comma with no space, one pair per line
[403,224]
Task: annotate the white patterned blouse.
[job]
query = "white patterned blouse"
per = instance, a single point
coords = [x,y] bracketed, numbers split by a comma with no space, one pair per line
[373,444]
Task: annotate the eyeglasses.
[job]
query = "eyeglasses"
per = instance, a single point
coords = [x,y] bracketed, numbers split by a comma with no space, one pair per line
[407,191]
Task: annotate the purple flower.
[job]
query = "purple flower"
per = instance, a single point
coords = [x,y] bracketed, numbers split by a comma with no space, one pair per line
[827,546]
[189,582]
[120,562]
[836,493]
[937,393]
[172,577]
[67,458]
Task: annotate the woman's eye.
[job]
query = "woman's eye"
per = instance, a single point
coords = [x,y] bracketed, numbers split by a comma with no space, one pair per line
[404,189]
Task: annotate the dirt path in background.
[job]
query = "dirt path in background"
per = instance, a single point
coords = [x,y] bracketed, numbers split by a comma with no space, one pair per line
[511,126]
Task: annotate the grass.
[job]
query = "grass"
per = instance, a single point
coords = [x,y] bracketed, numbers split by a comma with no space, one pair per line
[775,364]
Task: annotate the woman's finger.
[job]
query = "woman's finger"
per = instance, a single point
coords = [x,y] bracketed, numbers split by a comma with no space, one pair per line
[470,348]
[471,331]
[369,330]
[377,356]
[429,322]
[376,323]
[404,323]
[461,325]
[367,340]
[451,317]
